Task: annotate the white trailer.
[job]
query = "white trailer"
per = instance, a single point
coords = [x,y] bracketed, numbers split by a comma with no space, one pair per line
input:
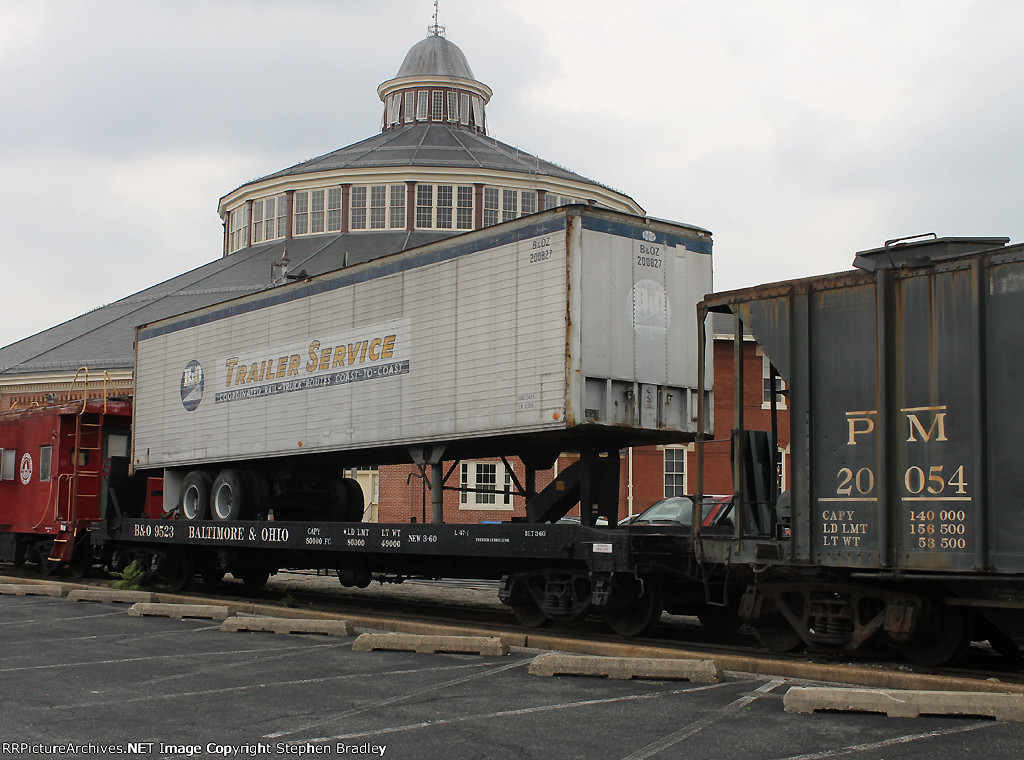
[569,330]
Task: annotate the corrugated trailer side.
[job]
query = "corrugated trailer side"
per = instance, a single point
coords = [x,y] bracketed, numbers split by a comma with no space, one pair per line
[553,331]
[476,338]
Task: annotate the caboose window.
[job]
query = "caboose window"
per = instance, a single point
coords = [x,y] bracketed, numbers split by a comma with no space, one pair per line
[8,463]
[45,455]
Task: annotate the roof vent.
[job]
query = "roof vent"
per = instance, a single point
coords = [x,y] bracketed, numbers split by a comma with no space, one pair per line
[922,250]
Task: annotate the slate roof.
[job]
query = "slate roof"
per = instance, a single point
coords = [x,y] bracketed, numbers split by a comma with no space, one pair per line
[104,338]
[431,145]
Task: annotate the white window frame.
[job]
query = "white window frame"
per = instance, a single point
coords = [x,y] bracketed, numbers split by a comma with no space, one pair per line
[674,458]
[554,200]
[783,457]
[470,477]
[502,204]
[464,109]
[437,105]
[422,105]
[238,228]
[453,106]
[780,384]
[396,207]
[410,107]
[300,212]
[268,218]
[394,109]
[478,112]
[334,209]
[444,207]
[376,207]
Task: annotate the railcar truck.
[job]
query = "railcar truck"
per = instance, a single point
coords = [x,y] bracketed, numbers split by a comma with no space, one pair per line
[571,330]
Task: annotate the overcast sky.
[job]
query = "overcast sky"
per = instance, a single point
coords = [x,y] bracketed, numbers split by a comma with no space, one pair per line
[797,131]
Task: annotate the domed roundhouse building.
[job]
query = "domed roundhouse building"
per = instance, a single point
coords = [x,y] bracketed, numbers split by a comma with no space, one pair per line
[431,172]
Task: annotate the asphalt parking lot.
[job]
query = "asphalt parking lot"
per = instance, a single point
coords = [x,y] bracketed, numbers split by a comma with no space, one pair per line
[88,675]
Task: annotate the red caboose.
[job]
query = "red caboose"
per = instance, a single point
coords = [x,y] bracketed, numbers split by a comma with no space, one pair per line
[61,468]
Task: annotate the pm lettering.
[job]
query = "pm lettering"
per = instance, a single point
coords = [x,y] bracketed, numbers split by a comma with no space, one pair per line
[917,428]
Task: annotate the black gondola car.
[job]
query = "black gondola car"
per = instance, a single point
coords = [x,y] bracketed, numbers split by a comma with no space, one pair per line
[907,497]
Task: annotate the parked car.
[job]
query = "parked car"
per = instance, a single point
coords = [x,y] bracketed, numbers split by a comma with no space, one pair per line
[678,510]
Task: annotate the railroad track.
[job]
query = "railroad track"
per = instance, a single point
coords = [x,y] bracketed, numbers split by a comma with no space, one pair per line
[309,591]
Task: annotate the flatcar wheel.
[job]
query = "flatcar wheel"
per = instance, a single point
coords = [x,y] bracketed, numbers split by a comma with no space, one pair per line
[254,579]
[774,631]
[212,576]
[640,614]
[530,615]
[722,621]
[175,572]
[778,637]
[952,630]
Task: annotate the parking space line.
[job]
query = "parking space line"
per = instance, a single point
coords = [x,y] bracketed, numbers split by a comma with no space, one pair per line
[697,726]
[17,623]
[142,698]
[401,697]
[153,658]
[274,655]
[510,713]
[905,739]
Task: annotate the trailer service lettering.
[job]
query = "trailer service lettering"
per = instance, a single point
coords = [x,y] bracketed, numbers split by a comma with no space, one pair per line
[371,353]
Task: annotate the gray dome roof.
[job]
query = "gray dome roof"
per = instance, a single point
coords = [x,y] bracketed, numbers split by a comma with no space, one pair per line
[435,56]
[440,145]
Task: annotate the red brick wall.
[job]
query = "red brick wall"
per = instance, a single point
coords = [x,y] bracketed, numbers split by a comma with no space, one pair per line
[717,465]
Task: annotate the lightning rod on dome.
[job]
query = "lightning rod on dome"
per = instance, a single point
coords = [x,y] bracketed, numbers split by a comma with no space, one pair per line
[436,29]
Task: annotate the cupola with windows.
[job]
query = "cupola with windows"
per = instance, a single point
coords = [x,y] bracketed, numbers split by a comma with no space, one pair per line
[434,84]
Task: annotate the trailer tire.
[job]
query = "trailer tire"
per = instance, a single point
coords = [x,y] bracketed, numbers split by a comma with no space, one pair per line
[346,501]
[194,500]
[356,503]
[259,490]
[230,496]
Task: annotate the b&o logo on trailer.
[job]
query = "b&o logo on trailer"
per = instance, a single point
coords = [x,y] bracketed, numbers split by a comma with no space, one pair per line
[192,386]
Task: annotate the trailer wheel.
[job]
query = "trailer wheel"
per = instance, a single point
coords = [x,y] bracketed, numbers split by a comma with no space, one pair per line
[356,502]
[346,501]
[259,490]
[195,495]
[230,495]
